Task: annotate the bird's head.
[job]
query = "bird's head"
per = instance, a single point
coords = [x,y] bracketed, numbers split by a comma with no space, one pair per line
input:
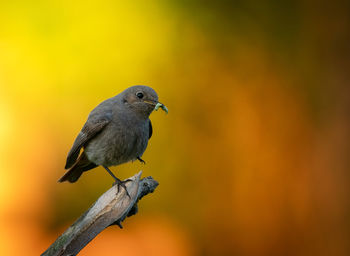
[142,99]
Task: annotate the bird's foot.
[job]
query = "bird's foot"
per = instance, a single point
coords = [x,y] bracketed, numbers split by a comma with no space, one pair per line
[142,161]
[120,183]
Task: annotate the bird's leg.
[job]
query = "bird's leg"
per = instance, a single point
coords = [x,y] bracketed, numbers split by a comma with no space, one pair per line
[141,160]
[117,181]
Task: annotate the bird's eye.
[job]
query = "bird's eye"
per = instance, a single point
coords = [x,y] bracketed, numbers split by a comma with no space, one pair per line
[139,95]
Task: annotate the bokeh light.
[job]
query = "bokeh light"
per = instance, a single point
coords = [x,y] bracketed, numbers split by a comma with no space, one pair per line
[253,158]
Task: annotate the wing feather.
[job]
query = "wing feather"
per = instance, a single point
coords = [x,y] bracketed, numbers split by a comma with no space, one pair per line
[89,130]
[150,129]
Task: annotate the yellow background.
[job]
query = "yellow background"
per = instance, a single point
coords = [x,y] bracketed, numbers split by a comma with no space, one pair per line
[253,158]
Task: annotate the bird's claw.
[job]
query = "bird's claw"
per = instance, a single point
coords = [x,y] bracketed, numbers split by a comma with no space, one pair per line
[122,184]
[141,160]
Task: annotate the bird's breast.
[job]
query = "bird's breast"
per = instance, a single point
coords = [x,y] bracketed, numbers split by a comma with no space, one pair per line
[118,143]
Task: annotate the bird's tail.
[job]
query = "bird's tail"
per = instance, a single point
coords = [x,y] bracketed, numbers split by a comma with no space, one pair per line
[81,165]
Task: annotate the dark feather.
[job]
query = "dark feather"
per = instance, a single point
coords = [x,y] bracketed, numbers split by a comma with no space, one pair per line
[81,165]
[90,130]
[150,130]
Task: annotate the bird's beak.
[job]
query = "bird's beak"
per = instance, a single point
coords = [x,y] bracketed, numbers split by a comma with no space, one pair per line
[157,105]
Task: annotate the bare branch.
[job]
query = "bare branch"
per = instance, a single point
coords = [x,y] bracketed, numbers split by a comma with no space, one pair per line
[110,209]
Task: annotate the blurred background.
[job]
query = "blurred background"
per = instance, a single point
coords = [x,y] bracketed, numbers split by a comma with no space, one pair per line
[252,159]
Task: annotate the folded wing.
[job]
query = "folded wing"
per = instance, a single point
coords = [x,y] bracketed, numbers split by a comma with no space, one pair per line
[89,131]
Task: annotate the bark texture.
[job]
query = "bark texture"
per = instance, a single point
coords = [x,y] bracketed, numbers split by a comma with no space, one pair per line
[110,209]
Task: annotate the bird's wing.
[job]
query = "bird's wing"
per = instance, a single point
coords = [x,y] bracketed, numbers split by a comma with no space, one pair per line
[150,129]
[89,130]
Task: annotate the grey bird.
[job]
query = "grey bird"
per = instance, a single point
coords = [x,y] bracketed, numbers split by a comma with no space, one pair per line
[116,131]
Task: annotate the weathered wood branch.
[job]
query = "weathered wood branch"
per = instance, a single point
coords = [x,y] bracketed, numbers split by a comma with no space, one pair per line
[110,209]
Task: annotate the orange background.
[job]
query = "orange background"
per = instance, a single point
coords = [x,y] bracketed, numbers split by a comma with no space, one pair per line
[253,158]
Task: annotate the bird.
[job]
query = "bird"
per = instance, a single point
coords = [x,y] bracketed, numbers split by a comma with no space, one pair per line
[116,132]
